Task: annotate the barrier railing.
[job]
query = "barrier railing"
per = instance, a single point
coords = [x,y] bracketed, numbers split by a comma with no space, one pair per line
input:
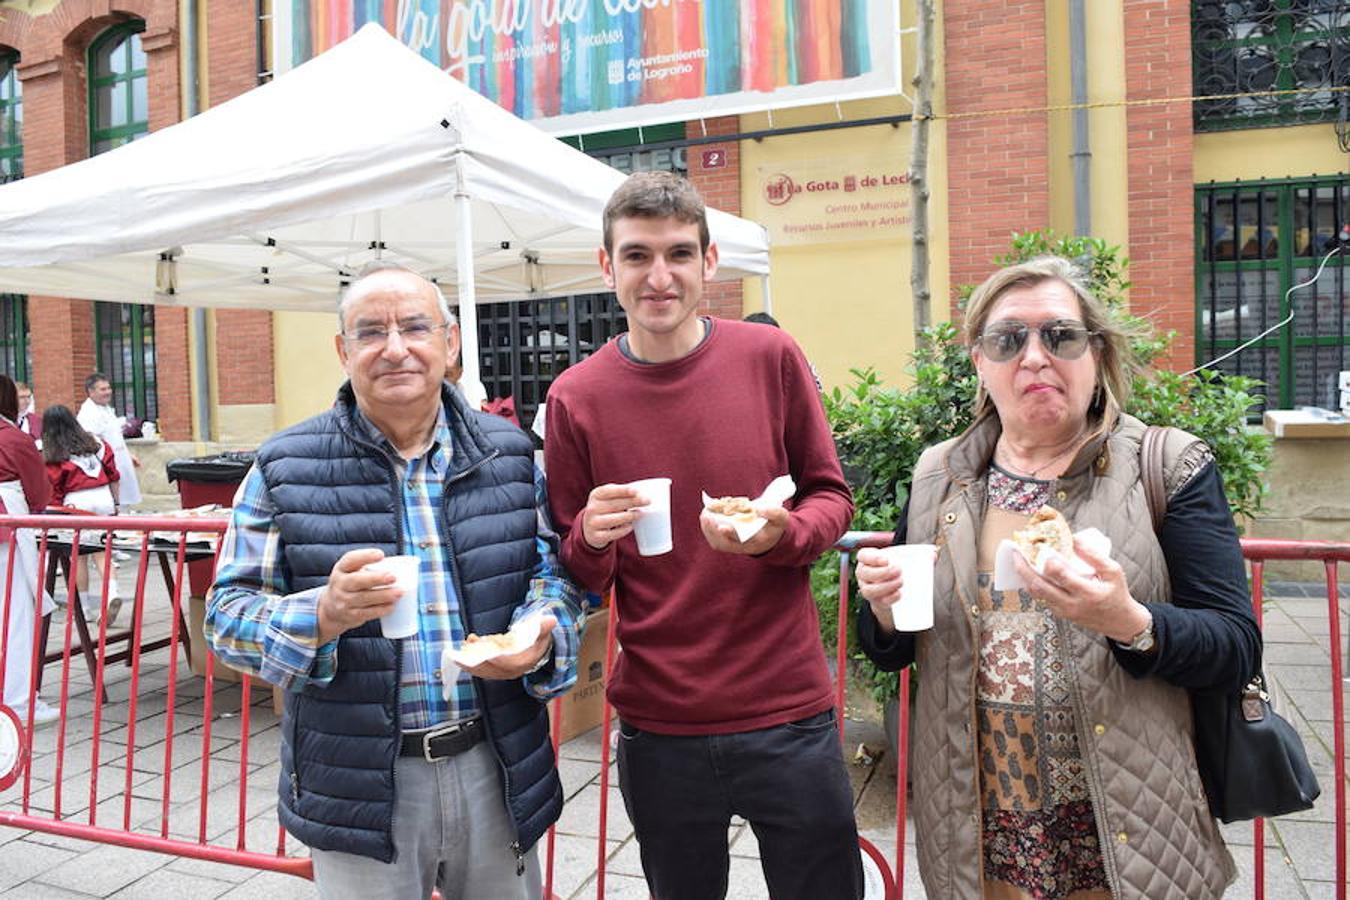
[154,805]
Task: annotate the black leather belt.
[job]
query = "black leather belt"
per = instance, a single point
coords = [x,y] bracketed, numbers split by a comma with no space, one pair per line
[443,741]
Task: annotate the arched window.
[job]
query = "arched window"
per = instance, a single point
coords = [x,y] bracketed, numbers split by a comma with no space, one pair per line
[119,109]
[119,112]
[11,119]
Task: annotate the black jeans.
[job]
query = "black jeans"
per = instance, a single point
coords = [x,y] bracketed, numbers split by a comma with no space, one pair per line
[788,782]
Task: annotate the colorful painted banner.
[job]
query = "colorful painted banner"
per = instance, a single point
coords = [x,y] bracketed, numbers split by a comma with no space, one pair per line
[576,66]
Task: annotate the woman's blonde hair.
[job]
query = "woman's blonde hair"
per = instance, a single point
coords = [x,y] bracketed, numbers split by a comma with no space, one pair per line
[1111,339]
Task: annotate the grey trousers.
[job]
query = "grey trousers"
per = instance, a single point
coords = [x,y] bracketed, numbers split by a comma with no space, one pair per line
[452,832]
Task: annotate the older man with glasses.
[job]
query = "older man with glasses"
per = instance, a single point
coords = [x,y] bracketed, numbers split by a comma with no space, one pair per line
[400,775]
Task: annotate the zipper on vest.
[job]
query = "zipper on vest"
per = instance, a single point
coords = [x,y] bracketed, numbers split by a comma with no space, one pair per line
[464,622]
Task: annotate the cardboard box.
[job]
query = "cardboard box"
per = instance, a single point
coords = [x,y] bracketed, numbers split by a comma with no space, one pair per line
[583,707]
[1301,423]
[196,618]
[221,672]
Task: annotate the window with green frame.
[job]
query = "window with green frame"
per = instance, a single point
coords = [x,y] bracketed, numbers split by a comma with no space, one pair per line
[15,355]
[1255,240]
[11,119]
[1260,46]
[119,110]
[124,333]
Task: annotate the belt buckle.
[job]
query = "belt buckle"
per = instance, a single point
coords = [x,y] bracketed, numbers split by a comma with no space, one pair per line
[442,731]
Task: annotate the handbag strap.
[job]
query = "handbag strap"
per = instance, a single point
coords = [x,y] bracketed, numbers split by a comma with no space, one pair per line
[1151,473]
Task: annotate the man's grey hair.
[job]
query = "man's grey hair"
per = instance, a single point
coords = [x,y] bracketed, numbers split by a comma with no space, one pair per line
[359,288]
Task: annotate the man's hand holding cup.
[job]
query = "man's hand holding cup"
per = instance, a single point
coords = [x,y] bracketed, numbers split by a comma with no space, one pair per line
[354,594]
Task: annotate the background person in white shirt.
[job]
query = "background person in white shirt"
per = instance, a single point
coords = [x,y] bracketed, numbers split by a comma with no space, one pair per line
[99,419]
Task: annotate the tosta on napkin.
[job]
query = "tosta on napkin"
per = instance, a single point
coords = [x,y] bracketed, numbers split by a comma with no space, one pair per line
[1005,573]
[522,635]
[776,494]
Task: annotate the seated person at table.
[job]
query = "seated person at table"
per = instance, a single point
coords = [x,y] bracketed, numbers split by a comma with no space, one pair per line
[84,476]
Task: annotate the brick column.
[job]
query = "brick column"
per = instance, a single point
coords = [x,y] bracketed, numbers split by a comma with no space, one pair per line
[721,189]
[1161,176]
[998,165]
[243,338]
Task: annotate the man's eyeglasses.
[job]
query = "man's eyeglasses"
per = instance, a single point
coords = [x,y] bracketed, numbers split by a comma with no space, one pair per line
[1062,338]
[377,335]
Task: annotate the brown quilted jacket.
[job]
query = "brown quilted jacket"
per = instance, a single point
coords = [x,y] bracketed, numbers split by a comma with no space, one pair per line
[1156,832]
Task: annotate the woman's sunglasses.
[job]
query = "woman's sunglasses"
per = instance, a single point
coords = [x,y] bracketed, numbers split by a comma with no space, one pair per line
[1063,338]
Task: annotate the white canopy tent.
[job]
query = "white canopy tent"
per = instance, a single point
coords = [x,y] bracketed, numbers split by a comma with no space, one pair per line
[276,198]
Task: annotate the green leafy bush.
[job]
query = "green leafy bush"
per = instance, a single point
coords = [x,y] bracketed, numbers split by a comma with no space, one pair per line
[880,431]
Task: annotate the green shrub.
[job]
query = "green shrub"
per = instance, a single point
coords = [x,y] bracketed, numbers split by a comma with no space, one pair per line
[880,431]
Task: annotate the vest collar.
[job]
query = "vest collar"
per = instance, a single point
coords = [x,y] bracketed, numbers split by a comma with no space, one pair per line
[969,458]
[471,446]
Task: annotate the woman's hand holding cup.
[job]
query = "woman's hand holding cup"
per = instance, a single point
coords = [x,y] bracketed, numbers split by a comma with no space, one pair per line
[879,581]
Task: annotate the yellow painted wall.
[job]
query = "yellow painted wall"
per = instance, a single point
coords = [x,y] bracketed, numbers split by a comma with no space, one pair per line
[1107,139]
[1268,153]
[307,370]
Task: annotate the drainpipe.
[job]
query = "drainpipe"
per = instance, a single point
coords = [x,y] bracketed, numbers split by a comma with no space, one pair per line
[201,366]
[1082,155]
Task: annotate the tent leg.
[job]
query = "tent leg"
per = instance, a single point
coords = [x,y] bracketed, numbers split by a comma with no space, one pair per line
[468,310]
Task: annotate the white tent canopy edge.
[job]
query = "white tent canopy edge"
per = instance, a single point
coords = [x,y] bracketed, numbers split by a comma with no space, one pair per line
[276,198]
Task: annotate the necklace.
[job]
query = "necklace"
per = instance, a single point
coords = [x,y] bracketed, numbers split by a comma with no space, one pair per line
[1033,473]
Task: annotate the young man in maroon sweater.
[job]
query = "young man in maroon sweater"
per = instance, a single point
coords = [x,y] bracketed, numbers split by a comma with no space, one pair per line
[722,686]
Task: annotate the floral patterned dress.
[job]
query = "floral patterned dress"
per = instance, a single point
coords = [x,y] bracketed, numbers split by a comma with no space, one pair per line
[1039,832]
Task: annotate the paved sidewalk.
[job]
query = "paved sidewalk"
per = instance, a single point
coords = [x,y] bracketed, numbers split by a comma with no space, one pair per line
[1298,849]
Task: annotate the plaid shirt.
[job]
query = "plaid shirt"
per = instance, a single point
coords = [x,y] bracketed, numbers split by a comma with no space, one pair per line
[256,623]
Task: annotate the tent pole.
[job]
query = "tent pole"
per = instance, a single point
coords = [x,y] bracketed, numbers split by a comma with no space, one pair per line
[764,289]
[468,310]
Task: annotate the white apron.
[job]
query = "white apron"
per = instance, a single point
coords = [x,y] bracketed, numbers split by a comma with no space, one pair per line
[102,422]
[19,651]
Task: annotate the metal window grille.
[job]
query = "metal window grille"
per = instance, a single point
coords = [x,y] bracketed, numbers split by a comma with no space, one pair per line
[524,345]
[11,119]
[125,337]
[1254,240]
[16,358]
[1257,46]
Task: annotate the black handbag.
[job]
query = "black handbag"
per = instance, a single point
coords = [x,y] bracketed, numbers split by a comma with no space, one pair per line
[1252,762]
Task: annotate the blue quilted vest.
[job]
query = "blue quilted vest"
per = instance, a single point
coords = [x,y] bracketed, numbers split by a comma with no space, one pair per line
[336,491]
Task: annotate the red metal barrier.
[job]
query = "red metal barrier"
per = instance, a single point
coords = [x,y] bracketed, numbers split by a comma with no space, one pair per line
[167,539]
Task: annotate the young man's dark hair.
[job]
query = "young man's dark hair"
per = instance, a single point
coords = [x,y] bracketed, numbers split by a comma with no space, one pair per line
[761,318]
[657,195]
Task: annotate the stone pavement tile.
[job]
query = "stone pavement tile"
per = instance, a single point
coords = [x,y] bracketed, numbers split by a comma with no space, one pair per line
[618,887]
[1319,890]
[581,815]
[178,885]
[1282,882]
[1283,632]
[103,870]
[263,746]
[573,862]
[628,861]
[585,746]
[202,868]
[746,879]
[1300,678]
[25,859]
[1293,655]
[1315,706]
[270,886]
[33,890]
[1307,846]
[577,773]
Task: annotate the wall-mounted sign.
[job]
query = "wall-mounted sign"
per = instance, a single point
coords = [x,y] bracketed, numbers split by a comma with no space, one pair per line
[577,66]
[714,159]
[849,198]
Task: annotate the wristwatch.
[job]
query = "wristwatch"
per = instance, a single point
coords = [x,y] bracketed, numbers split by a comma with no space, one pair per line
[1143,641]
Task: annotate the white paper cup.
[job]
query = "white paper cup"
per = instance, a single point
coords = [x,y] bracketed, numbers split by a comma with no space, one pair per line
[402,622]
[652,527]
[914,610]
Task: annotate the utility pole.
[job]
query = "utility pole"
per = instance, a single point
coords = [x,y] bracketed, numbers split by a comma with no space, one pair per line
[918,169]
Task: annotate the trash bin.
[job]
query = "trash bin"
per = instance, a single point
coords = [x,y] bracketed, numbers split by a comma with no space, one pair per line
[208,479]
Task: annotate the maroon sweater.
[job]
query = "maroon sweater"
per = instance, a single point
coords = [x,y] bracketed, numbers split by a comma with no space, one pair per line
[712,642]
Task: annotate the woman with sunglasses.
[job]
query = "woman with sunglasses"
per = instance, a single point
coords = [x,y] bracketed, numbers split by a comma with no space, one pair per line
[1052,752]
